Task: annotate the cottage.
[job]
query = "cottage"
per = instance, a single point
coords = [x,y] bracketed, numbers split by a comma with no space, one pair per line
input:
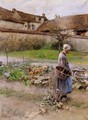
[19,20]
[75,26]
[78,24]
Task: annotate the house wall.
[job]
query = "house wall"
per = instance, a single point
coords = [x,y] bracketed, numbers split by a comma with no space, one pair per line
[36,25]
[11,25]
[19,26]
[46,38]
[68,32]
[86,34]
[78,43]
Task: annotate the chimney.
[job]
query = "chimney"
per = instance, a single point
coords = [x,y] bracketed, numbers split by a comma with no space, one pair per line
[37,19]
[13,10]
[43,14]
[57,16]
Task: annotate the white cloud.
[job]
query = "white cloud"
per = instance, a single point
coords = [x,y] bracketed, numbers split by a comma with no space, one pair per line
[49,7]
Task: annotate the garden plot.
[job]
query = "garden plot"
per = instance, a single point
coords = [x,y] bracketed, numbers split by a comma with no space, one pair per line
[40,75]
[26,73]
[21,85]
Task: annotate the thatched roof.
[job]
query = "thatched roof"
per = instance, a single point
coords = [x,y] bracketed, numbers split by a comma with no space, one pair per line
[5,14]
[46,26]
[30,17]
[76,22]
[18,16]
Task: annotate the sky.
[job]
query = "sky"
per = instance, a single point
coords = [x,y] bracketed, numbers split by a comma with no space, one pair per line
[49,7]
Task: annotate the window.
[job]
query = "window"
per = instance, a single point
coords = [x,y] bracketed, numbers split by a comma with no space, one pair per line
[81,32]
[26,26]
[33,27]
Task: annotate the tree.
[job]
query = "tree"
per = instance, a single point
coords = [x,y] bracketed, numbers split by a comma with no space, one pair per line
[55,31]
[57,34]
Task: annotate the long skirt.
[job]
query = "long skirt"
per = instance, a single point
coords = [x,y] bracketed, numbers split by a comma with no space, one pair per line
[65,86]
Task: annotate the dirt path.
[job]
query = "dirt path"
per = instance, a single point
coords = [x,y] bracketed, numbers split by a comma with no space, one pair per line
[19,102]
[14,109]
[20,87]
[10,59]
[52,63]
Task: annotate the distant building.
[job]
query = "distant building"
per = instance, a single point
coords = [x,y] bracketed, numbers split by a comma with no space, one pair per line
[75,26]
[19,20]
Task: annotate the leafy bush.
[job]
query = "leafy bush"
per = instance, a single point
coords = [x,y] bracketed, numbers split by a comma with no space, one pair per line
[16,74]
[1,70]
[56,45]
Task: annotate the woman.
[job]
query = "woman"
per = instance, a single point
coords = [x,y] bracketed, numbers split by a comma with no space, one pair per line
[64,86]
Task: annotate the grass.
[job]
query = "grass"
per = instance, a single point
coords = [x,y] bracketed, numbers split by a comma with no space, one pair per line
[20,95]
[37,54]
[78,57]
[78,104]
[73,56]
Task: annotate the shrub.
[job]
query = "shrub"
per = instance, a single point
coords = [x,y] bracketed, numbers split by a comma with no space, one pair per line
[18,44]
[55,45]
[1,70]
[16,74]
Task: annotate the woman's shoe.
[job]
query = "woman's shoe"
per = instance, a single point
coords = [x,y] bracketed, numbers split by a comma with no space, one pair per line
[63,98]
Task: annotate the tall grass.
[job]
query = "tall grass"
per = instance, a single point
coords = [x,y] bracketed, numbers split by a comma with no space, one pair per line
[19,44]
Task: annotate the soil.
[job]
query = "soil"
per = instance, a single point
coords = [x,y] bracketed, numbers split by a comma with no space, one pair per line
[10,59]
[13,107]
[20,102]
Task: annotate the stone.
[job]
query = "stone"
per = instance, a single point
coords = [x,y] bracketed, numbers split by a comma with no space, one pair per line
[46,78]
[87,88]
[86,82]
[31,115]
[67,108]
[45,83]
[60,105]
[0,109]
[42,109]
[77,85]
[7,74]
[37,82]
[45,67]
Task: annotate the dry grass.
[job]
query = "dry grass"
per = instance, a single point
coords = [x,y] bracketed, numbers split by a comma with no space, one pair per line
[20,95]
[14,44]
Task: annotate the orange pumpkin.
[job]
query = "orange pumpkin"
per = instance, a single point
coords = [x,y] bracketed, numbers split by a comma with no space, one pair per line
[31,73]
[37,71]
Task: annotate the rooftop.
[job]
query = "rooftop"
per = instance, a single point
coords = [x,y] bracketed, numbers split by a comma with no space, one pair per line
[18,16]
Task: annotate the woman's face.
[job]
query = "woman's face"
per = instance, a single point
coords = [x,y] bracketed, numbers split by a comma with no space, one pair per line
[67,51]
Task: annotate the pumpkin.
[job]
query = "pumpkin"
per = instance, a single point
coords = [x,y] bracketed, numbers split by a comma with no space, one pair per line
[37,71]
[31,73]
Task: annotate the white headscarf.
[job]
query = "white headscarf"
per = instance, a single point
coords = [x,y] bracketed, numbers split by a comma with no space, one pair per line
[66,47]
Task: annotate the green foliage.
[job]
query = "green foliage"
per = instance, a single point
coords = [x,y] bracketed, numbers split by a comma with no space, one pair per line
[25,80]
[2,69]
[16,74]
[56,45]
[39,54]
[73,56]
